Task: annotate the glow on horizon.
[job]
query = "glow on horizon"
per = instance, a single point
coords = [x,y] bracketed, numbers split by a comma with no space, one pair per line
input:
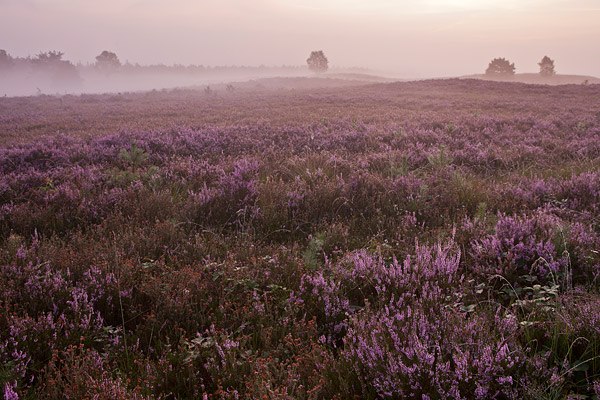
[407,36]
[399,7]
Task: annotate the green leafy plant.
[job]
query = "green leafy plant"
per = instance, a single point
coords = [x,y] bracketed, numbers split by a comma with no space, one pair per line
[313,254]
[49,186]
[440,159]
[135,156]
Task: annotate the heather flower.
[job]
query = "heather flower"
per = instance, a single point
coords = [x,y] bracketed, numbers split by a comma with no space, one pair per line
[518,246]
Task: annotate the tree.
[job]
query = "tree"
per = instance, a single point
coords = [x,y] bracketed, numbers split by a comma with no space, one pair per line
[317,61]
[49,58]
[5,60]
[107,60]
[500,66]
[59,70]
[547,66]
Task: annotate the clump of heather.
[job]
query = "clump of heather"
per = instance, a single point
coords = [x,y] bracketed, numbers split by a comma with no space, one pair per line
[426,351]
[519,246]
[424,333]
[541,246]
[80,372]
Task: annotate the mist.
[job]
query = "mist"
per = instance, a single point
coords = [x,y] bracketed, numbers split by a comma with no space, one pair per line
[410,39]
[129,78]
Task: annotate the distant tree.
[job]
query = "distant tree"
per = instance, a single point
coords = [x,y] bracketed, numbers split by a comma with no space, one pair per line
[5,60]
[500,66]
[59,70]
[48,58]
[547,66]
[107,60]
[317,61]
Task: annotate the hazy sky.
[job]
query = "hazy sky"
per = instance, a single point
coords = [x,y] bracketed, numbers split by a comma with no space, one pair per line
[415,38]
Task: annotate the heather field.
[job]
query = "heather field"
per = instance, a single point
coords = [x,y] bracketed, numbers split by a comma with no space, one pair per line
[302,239]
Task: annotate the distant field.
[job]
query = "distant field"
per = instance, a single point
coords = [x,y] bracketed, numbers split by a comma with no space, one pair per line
[302,238]
[530,78]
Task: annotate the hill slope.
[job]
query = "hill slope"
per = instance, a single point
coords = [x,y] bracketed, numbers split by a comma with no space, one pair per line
[538,79]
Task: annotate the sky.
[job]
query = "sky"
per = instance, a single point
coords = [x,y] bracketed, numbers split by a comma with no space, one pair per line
[410,38]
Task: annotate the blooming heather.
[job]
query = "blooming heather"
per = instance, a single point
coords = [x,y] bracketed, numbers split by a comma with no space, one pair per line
[430,240]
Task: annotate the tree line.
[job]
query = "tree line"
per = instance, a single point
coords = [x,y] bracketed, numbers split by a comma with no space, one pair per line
[53,64]
[50,63]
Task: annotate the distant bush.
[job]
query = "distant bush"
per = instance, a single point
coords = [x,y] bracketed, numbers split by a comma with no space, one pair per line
[547,66]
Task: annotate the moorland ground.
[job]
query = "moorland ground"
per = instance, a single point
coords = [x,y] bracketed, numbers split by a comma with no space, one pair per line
[302,239]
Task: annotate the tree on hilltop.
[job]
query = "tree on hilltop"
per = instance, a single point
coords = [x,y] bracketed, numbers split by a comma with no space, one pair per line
[500,66]
[547,66]
[317,61]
